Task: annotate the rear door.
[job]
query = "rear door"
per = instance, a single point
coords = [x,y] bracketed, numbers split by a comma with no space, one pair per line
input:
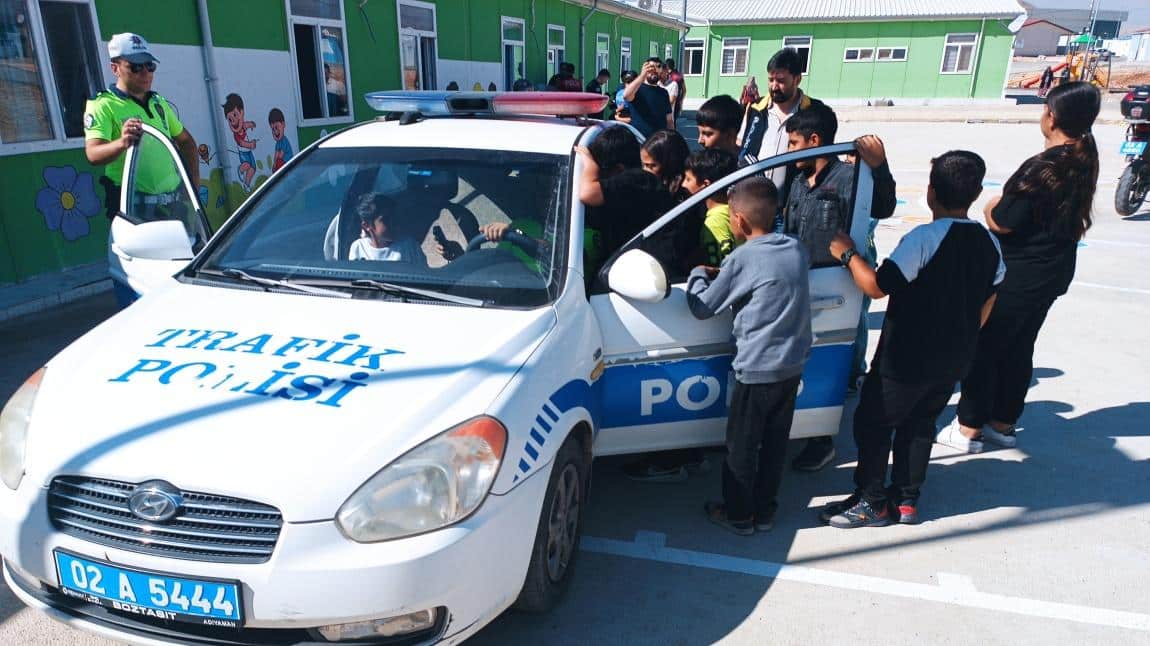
[668,375]
[161,223]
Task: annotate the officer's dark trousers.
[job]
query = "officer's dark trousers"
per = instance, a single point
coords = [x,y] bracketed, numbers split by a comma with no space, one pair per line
[907,411]
[995,388]
[757,431]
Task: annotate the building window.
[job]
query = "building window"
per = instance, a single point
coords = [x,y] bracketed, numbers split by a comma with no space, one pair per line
[321,59]
[418,61]
[49,66]
[602,51]
[693,58]
[736,51]
[891,54]
[668,51]
[858,55]
[958,54]
[801,44]
[624,55]
[556,47]
[514,51]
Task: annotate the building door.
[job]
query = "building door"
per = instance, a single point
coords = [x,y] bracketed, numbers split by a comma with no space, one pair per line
[417,45]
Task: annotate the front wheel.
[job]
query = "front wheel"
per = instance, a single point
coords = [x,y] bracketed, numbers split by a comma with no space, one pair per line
[1130,192]
[557,535]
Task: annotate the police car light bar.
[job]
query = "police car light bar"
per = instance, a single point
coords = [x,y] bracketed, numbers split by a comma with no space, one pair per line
[471,103]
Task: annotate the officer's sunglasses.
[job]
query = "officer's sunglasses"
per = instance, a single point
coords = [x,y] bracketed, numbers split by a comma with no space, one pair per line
[139,67]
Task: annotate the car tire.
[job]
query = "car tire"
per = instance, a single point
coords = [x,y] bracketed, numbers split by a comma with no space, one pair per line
[557,534]
[1128,196]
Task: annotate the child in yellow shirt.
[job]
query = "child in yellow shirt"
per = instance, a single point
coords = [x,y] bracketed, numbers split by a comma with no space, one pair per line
[703,168]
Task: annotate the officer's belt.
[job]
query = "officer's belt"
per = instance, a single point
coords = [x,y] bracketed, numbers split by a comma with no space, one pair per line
[159,200]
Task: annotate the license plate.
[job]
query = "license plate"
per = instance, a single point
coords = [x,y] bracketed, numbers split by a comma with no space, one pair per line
[150,594]
[1133,148]
[1136,111]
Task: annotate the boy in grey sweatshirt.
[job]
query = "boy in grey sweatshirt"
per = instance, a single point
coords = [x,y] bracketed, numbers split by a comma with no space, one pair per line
[765,282]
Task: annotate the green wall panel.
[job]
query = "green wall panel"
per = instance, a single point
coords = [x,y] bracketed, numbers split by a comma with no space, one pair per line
[177,23]
[30,247]
[252,24]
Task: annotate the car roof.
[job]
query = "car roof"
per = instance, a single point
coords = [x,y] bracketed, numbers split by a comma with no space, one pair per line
[547,135]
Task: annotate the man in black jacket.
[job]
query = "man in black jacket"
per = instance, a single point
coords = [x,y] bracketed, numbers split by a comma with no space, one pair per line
[819,203]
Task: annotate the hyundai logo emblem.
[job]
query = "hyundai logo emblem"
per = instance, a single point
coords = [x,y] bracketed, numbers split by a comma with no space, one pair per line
[155,500]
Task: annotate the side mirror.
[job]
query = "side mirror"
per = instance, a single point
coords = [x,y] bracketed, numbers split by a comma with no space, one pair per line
[637,275]
[159,240]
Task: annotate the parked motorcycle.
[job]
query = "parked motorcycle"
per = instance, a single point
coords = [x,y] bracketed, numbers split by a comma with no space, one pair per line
[1134,183]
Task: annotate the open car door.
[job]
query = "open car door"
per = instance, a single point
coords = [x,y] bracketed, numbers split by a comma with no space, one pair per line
[161,223]
[668,375]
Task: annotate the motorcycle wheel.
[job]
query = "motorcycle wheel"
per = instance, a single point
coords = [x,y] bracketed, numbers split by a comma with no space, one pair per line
[1129,195]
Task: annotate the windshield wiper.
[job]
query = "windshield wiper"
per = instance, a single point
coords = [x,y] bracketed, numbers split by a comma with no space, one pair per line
[277,282]
[415,291]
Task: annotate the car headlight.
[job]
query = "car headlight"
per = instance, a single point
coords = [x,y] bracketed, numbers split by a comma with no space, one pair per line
[439,482]
[14,430]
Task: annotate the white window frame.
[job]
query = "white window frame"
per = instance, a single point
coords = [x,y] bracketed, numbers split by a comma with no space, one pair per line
[503,43]
[625,46]
[319,23]
[723,54]
[653,49]
[809,47]
[973,53]
[687,49]
[421,33]
[905,53]
[668,51]
[606,54]
[550,48]
[58,140]
[858,54]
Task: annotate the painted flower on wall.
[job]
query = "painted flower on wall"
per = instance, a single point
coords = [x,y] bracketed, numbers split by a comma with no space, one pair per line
[67,201]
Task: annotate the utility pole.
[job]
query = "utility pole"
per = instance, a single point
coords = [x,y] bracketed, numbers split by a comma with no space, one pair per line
[683,43]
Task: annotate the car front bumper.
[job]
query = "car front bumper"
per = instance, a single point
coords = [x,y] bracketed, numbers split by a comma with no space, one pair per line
[471,571]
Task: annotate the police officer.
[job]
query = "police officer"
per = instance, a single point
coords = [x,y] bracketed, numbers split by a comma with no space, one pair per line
[112,123]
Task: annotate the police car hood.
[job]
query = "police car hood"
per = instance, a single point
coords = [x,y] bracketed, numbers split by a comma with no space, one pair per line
[289,400]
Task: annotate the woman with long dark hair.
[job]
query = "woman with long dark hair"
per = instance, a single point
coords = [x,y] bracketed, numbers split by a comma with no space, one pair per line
[1043,212]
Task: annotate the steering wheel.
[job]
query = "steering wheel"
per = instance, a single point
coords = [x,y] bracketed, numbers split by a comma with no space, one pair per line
[530,245]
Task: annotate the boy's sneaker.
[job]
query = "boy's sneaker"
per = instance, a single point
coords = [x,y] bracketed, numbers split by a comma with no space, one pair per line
[818,453]
[717,514]
[644,471]
[952,436]
[861,515]
[907,512]
[764,523]
[1006,440]
[832,509]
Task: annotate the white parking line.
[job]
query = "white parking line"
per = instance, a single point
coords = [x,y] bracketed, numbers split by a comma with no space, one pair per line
[952,589]
[1113,288]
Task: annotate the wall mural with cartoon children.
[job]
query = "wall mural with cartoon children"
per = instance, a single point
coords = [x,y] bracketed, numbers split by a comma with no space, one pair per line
[234,111]
[283,151]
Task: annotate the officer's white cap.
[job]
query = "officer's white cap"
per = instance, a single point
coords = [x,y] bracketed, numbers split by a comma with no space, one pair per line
[130,47]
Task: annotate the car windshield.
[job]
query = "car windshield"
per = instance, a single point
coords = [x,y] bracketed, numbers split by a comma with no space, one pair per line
[381,221]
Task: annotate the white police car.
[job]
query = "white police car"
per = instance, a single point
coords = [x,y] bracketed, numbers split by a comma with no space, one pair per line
[278,444]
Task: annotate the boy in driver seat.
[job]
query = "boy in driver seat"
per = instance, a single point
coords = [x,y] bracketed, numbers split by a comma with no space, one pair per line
[379,239]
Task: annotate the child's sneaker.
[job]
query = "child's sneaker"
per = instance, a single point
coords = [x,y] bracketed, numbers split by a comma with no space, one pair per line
[952,436]
[644,471]
[861,515]
[1006,440]
[832,509]
[907,512]
[717,514]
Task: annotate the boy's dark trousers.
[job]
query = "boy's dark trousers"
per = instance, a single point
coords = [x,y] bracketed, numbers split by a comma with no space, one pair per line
[758,427]
[909,412]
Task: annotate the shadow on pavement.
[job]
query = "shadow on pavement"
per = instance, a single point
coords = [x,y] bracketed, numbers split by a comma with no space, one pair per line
[617,600]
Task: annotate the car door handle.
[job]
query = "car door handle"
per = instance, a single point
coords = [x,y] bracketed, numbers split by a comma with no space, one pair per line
[827,302]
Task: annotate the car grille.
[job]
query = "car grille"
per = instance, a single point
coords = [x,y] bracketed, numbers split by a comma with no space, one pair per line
[207,527]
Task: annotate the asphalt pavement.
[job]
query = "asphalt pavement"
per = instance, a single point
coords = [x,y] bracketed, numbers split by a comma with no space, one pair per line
[1046,543]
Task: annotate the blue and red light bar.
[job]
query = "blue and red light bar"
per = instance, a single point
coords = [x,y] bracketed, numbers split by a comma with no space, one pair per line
[435,103]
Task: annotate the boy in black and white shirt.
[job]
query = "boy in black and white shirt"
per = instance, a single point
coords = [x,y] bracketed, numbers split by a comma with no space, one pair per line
[941,279]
